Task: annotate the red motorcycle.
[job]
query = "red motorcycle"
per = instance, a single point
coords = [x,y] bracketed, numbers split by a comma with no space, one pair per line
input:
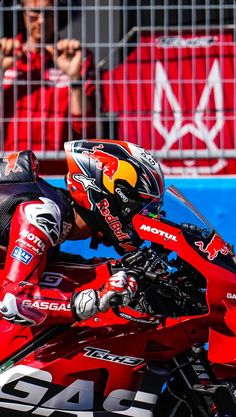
[171,353]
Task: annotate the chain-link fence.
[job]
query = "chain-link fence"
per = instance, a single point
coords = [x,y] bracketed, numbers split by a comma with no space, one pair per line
[163,77]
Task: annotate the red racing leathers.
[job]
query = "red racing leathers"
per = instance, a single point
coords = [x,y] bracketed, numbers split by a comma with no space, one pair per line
[36,226]
[35,218]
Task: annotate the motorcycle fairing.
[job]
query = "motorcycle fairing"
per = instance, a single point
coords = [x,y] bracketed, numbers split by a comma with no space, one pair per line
[219,271]
[222,348]
[59,378]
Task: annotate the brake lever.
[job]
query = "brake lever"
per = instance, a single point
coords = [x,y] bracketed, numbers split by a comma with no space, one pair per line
[115,304]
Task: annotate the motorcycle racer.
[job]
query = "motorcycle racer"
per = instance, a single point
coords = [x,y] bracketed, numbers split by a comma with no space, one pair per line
[108,182]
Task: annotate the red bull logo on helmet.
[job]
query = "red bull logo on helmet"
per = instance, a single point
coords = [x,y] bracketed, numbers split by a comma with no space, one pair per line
[113,221]
[104,160]
[11,161]
[214,247]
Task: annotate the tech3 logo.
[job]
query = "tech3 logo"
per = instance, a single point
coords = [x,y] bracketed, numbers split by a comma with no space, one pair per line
[24,389]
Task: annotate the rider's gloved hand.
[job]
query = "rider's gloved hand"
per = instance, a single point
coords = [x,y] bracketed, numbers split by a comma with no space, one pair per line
[87,303]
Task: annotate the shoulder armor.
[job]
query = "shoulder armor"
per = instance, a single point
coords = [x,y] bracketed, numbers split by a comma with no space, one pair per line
[46,216]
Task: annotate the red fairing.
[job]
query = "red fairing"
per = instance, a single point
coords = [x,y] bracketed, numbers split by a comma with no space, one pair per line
[127,361]
[26,259]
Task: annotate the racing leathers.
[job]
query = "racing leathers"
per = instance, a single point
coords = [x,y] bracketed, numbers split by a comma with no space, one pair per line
[42,219]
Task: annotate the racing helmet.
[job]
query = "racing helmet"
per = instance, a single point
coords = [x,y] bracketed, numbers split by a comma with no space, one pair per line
[109,182]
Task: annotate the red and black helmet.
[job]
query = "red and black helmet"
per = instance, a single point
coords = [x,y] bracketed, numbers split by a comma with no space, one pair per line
[110,181]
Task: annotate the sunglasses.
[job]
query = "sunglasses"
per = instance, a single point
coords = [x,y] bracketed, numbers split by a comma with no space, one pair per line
[34,14]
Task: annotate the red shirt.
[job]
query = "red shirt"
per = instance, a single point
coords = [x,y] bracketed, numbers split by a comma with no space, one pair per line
[36,104]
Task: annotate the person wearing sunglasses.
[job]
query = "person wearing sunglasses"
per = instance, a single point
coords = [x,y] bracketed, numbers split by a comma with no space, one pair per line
[48,84]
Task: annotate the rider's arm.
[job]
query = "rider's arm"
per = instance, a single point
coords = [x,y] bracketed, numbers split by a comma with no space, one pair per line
[28,244]
[34,229]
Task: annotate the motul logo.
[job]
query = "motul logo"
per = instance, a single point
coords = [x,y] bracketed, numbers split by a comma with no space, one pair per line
[34,239]
[156,231]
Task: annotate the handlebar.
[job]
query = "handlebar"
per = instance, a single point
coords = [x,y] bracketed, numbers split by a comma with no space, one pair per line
[194,230]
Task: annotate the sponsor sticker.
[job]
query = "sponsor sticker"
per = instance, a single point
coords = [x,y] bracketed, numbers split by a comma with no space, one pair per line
[21,255]
[11,164]
[159,232]
[106,355]
[231,296]
[112,221]
[47,305]
[178,42]
[214,247]
[37,245]
[104,160]
[48,398]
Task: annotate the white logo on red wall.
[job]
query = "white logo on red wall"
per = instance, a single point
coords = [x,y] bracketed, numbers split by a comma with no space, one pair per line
[197,127]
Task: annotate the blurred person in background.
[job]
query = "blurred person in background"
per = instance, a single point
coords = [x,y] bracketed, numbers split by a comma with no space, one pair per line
[48,89]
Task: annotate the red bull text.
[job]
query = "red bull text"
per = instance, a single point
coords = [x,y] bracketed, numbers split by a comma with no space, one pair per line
[113,221]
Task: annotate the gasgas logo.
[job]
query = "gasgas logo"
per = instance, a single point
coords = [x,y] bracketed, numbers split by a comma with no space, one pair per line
[231,296]
[33,391]
[47,305]
[214,247]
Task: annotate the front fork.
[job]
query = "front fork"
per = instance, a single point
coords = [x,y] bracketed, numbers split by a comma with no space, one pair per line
[192,380]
